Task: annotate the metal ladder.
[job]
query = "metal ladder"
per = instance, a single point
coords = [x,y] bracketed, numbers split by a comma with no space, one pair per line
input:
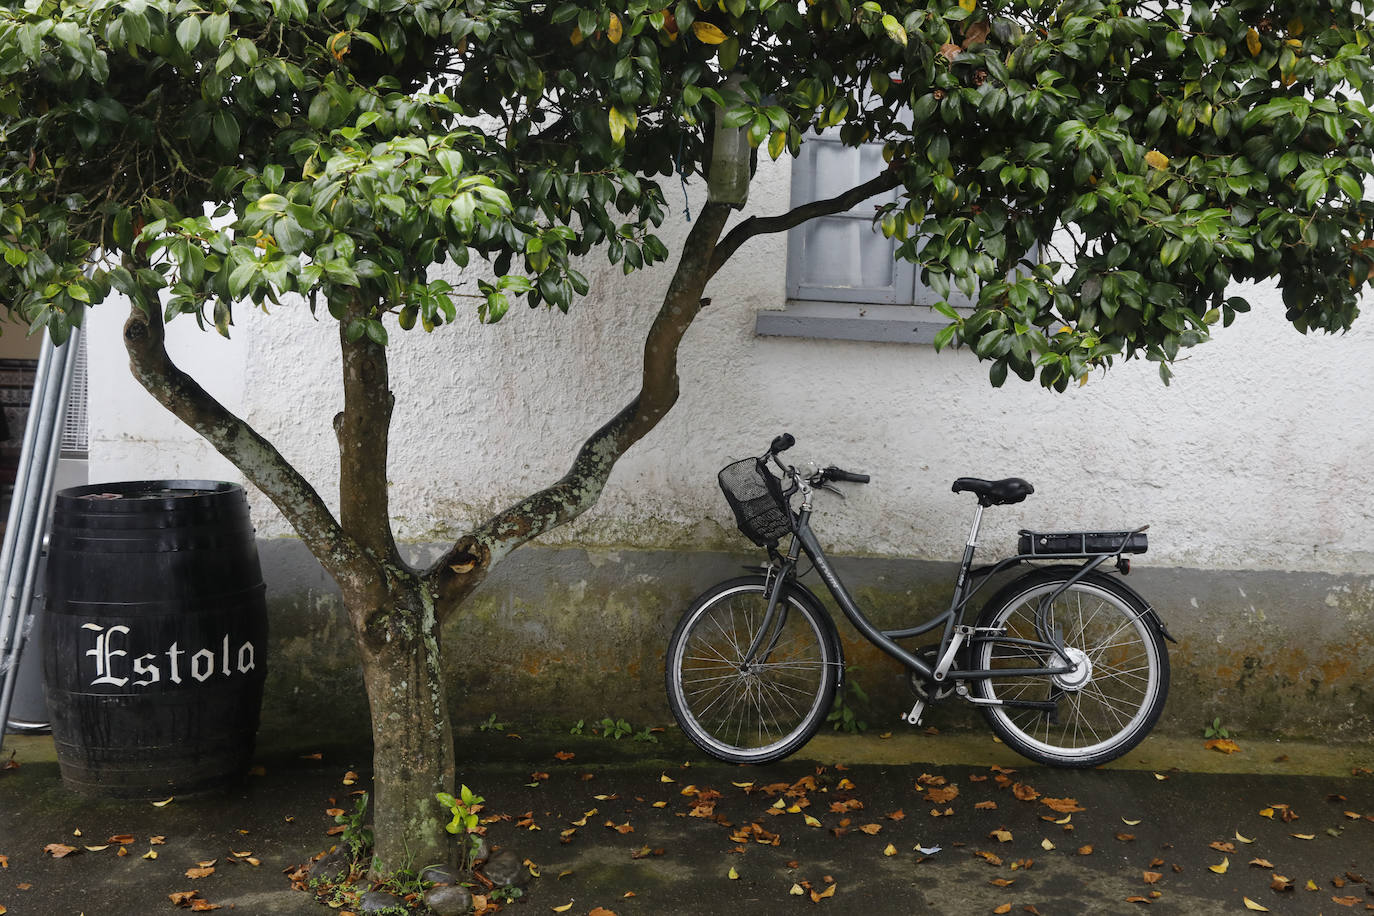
[30,507]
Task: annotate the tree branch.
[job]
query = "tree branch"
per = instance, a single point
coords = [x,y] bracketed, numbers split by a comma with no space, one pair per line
[363,430]
[464,566]
[258,459]
[762,225]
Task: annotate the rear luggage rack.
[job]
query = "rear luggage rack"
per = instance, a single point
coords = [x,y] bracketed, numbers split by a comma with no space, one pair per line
[1080,543]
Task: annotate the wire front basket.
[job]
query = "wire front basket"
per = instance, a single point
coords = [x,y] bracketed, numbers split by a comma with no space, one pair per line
[756,497]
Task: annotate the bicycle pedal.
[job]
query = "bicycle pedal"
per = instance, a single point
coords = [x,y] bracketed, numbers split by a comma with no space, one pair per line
[914,717]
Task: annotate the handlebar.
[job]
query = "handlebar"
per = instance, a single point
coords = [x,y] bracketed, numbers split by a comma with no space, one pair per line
[820,478]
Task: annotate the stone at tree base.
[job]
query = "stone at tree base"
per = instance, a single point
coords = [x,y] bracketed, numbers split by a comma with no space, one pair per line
[377,901]
[448,900]
[332,867]
[440,874]
[483,851]
[506,870]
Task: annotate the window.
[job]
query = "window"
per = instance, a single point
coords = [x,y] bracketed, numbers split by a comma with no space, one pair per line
[843,278]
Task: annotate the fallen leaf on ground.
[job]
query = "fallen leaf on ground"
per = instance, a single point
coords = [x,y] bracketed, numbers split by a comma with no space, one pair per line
[1152,877]
[797,890]
[1004,908]
[1129,823]
[4,861]
[564,908]
[1222,745]
[942,795]
[1252,905]
[203,871]
[59,850]
[1222,847]
[1062,805]
[1001,834]
[1002,882]
[1261,863]
[890,850]
[182,898]
[1243,839]
[1220,869]
[350,778]
[1046,845]
[1346,901]
[988,805]
[1085,850]
[828,892]
[732,875]
[201,906]
[164,803]
[1303,836]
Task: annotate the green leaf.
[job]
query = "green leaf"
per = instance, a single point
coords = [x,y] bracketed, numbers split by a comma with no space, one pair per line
[188,33]
[226,129]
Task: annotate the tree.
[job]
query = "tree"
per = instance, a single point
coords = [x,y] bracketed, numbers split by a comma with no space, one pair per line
[1094,173]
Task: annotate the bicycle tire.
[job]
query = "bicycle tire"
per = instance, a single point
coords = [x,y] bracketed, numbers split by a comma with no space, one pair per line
[1112,699]
[767,712]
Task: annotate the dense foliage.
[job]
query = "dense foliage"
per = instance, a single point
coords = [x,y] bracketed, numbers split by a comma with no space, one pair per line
[1146,154]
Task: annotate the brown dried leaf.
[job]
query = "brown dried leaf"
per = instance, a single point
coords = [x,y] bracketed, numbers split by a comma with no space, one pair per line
[203,871]
[201,906]
[1085,850]
[1001,835]
[1002,882]
[942,795]
[986,805]
[1062,805]
[871,829]
[1222,745]
[1004,908]
[1346,901]
[182,898]
[1222,847]
[1261,863]
[59,850]
[123,839]
[1151,877]
[1024,792]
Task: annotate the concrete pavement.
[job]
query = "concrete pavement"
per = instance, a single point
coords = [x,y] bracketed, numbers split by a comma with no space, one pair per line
[950,824]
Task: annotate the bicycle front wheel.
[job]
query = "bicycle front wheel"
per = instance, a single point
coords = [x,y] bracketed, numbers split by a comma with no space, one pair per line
[766,709]
[1114,693]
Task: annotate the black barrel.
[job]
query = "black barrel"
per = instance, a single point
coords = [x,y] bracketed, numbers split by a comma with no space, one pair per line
[155,648]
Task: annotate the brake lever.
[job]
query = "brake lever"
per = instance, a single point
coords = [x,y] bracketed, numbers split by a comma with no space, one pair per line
[832,488]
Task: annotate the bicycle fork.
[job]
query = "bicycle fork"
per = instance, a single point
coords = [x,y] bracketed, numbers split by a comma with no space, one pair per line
[774,618]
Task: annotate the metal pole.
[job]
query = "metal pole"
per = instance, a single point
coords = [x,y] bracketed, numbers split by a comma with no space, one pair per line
[34,519]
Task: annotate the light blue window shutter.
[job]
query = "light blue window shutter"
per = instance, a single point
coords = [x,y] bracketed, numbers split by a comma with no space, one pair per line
[842,258]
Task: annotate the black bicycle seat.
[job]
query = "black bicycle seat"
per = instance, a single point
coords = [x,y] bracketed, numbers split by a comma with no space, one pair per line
[995,492]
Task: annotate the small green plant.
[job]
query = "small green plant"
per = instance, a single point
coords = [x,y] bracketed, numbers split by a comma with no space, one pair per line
[843,717]
[577,727]
[1216,730]
[492,725]
[465,821]
[357,835]
[615,728]
[506,894]
[646,734]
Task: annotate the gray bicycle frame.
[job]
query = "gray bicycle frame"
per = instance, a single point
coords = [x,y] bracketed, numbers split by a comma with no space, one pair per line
[804,539]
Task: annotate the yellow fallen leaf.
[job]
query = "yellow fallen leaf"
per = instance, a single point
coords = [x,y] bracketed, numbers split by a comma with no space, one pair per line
[742,785]
[1303,836]
[660,804]
[1220,869]
[96,848]
[1046,845]
[1129,823]
[1223,745]
[1250,904]
[150,854]
[164,803]
[890,850]
[732,875]
[780,804]
[666,778]
[1004,908]
[562,909]
[1267,812]
[828,892]
[1243,839]
[1312,885]
[797,890]
[811,821]
[1160,776]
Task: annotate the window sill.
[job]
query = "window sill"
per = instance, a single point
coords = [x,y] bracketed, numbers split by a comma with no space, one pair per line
[911,324]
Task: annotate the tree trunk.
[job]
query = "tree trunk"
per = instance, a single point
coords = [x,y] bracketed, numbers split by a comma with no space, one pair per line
[413,754]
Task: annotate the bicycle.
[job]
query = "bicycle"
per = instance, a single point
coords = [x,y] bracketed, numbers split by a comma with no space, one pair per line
[1067,663]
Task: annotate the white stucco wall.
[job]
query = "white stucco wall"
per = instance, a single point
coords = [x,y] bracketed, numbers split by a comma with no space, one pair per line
[1255,457]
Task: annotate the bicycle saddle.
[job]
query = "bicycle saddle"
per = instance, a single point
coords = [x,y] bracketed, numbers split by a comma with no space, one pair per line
[995,492]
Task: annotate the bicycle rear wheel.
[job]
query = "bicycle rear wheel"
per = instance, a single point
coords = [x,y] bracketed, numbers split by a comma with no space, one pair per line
[762,711]
[1110,700]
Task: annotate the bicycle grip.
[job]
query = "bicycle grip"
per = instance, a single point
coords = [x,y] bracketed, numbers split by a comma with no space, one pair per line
[782,443]
[835,473]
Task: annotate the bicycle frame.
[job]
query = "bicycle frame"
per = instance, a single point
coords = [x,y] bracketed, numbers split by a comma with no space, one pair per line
[955,633]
